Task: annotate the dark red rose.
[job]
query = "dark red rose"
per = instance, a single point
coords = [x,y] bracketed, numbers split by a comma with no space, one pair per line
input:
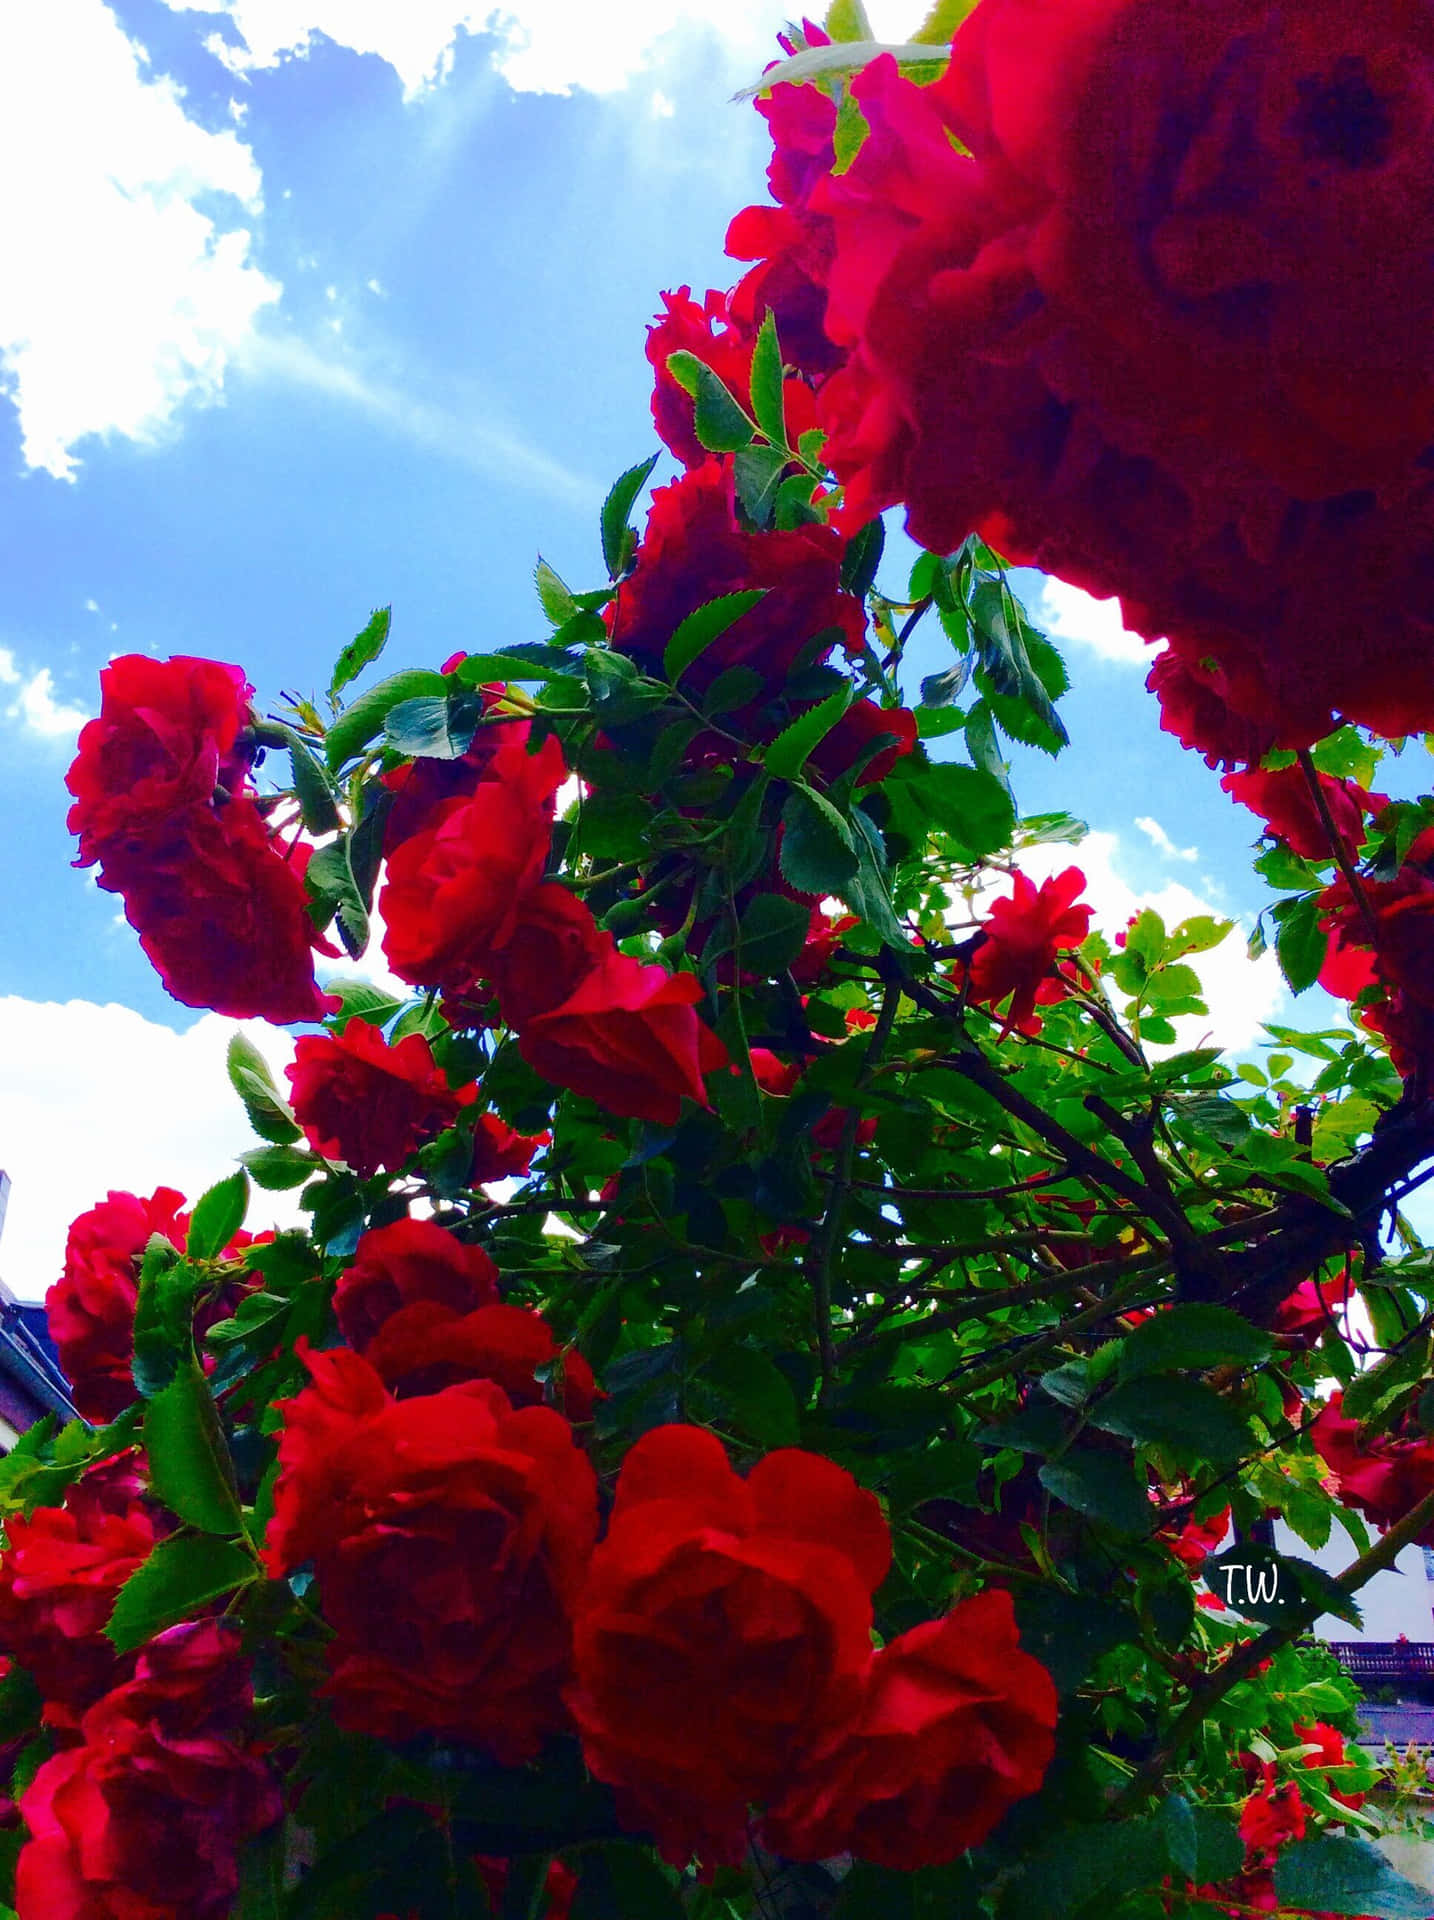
[59,1575]
[598,1021]
[1403,913]
[449,1535]
[1025,933]
[723,1633]
[455,887]
[147,1818]
[693,551]
[501,1154]
[792,243]
[426,1347]
[1314,1306]
[221,910]
[91,1306]
[165,738]
[958,1723]
[1285,804]
[1383,1475]
[410,1260]
[858,730]
[367,1103]
[559,1887]
[1194,706]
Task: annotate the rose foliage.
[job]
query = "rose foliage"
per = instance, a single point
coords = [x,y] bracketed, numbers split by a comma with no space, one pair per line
[794,1325]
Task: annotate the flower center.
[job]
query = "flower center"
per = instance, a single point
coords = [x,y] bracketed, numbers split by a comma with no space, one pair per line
[1340,117]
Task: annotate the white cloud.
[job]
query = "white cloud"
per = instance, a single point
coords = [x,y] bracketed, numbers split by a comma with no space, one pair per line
[120,300]
[37,706]
[544,46]
[1241,993]
[94,1097]
[1161,841]
[1068,614]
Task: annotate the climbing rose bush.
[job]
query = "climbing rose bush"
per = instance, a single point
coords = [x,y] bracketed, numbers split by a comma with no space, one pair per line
[799,1338]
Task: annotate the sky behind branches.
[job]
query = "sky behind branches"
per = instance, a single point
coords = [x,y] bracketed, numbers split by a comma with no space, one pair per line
[313,305]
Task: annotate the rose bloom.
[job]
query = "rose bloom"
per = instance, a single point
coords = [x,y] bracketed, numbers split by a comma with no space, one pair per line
[366,1102]
[1272,1814]
[456,885]
[91,1306]
[1285,804]
[693,551]
[723,1633]
[449,1535]
[222,914]
[59,1574]
[598,1021]
[164,739]
[958,1723]
[427,1346]
[409,1261]
[1383,1476]
[861,727]
[1025,933]
[1194,707]
[709,332]
[500,1153]
[148,1816]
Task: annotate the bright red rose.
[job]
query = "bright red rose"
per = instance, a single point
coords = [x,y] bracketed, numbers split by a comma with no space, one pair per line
[1272,1814]
[1025,933]
[1384,1475]
[367,1103]
[706,331]
[456,886]
[693,551]
[426,1347]
[823,941]
[222,913]
[501,1154]
[164,739]
[1285,804]
[450,1536]
[1314,1305]
[59,1575]
[723,1633]
[147,1818]
[958,1723]
[1195,1540]
[91,1306]
[410,1260]
[598,1021]
[420,787]
[858,730]
[1403,914]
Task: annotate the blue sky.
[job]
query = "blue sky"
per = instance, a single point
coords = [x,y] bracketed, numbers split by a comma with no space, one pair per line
[312,305]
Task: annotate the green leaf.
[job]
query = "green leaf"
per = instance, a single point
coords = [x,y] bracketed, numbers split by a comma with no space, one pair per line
[969,806]
[363,1000]
[756,1390]
[269,1114]
[758,472]
[1301,944]
[1100,1485]
[983,745]
[276,1169]
[768,398]
[189,1465]
[618,539]
[330,876]
[183,1574]
[163,1316]
[849,133]
[867,892]
[1191,1335]
[432,726]
[1173,1411]
[1221,1850]
[718,420]
[847,20]
[362,650]
[818,853]
[311,787]
[359,723]
[557,602]
[788,753]
[774,931]
[938,29]
[697,632]
[863,557]
[1365,1392]
[1338,1875]
[218,1216]
[1177,1822]
[1068,1632]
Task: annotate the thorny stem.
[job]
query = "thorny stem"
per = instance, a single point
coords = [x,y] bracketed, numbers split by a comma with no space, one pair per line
[1338,847]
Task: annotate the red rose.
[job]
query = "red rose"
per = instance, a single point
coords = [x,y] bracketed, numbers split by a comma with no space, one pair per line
[1194,1541]
[420,787]
[688,328]
[456,886]
[164,739]
[1024,934]
[559,1887]
[723,1632]
[1313,1306]
[693,551]
[1272,1814]
[147,1818]
[449,1535]
[1285,804]
[1384,1475]
[598,1021]
[59,1575]
[367,1103]
[91,1306]
[1194,706]
[957,1725]
[1403,913]
[823,942]
[427,1346]
[501,1154]
[858,730]
[223,915]
[410,1260]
